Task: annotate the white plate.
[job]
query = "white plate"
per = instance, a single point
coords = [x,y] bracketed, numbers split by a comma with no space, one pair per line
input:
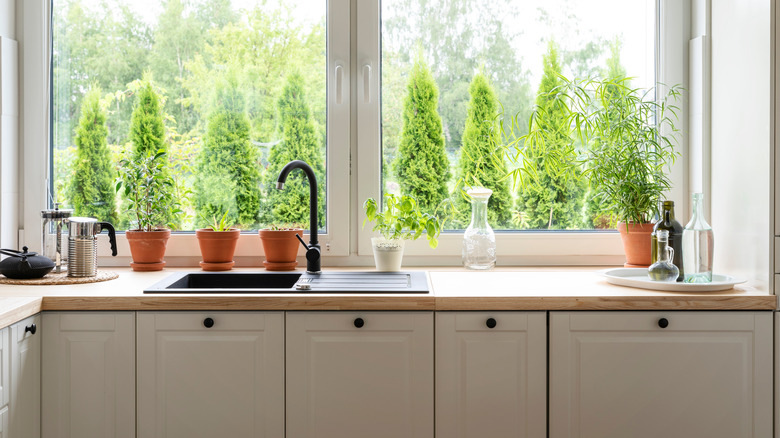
[637,277]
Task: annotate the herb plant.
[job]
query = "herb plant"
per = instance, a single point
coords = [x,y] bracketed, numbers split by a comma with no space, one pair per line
[402,219]
[222,224]
[148,190]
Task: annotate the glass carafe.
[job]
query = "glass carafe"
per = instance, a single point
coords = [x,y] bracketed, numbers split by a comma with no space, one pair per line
[663,269]
[479,241]
[698,243]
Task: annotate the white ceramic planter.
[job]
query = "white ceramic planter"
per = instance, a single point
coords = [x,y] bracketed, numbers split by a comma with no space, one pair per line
[388,254]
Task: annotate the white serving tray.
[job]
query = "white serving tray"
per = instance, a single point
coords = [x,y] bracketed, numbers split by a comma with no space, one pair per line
[637,277]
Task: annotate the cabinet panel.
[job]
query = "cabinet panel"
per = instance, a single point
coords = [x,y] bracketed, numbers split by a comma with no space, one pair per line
[88,375]
[491,381]
[25,407]
[619,374]
[346,379]
[224,380]
[5,369]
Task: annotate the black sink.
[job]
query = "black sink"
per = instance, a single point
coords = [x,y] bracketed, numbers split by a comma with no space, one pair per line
[292,282]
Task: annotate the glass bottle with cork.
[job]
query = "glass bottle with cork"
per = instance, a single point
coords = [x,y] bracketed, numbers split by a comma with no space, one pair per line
[663,269]
[675,230]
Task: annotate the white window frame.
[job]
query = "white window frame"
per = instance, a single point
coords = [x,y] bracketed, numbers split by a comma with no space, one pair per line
[513,248]
[354,152]
[183,248]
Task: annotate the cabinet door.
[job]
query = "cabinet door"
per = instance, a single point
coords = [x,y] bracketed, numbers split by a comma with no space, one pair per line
[360,374]
[651,374]
[88,375]
[25,405]
[210,374]
[491,374]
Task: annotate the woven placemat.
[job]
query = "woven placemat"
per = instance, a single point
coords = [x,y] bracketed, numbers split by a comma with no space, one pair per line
[61,278]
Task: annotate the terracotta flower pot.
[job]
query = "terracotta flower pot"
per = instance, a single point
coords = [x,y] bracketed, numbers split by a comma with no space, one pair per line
[636,243]
[147,249]
[217,248]
[280,248]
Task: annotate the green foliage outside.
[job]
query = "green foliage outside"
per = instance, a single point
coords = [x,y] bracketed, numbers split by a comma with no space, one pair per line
[422,166]
[480,164]
[228,169]
[300,141]
[91,190]
[552,198]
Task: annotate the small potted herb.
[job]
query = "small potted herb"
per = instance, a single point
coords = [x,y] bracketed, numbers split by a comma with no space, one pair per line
[280,246]
[218,243]
[400,221]
[149,195]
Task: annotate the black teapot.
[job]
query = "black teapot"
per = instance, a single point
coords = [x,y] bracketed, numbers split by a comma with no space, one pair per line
[24,265]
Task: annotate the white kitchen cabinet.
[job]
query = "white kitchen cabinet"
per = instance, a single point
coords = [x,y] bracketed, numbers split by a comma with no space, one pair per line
[25,389]
[88,375]
[360,374]
[491,374]
[210,374]
[651,374]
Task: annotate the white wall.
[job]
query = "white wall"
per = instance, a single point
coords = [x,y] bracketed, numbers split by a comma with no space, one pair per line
[9,125]
[741,138]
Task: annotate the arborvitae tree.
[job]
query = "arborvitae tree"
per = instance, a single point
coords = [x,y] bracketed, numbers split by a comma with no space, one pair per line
[147,132]
[553,199]
[422,166]
[92,183]
[300,141]
[479,159]
[228,167]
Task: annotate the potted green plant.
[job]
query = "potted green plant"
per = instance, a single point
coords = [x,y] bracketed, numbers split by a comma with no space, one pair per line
[624,140]
[218,243]
[400,221]
[148,194]
[280,246]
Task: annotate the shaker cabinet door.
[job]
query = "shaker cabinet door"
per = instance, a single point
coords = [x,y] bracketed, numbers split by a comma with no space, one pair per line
[360,374]
[491,374]
[25,406]
[210,374]
[651,374]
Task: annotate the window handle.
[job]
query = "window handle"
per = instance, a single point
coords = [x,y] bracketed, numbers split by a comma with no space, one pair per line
[339,84]
[367,83]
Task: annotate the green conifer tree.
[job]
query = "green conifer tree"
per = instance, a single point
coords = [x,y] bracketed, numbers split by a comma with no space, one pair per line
[228,166]
[422,166]
[92,190]
[300,141]
[479,162]
[552,199]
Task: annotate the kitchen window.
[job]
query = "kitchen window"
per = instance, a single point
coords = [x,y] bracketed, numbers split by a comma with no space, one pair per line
[355,94]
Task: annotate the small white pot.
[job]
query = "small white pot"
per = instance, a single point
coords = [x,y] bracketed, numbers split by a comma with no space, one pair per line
[388,254]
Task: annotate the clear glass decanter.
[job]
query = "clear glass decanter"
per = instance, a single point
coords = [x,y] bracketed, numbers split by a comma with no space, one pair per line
[663,269]
[698,242]
[479,241]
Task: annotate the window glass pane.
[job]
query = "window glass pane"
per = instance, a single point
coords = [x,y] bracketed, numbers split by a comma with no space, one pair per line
[442,54]
[231,90]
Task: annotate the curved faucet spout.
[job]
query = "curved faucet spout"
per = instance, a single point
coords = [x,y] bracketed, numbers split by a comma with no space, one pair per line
[313,249]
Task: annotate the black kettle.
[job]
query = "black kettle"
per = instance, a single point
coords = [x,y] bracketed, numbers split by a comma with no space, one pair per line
[24,265]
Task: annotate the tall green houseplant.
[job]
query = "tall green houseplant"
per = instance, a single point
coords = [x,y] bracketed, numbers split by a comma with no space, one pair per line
[480,163]
[228,166]
[92,190]
[300,141]
[551,198]
[422,166]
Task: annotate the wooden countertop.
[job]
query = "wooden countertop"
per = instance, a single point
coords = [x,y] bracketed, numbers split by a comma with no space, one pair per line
[554,288]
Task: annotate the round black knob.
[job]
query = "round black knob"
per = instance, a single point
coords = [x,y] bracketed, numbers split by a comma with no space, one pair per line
[208,323]
[359,322]
[663,323]
[491,323]
[31,328]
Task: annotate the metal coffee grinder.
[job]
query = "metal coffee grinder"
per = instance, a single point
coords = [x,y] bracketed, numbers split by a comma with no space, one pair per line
[52,221]
[82,245]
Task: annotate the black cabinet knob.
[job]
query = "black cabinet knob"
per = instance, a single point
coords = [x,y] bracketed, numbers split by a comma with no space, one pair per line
[359,322]
[491,323]
[208,323]
[32,328]
[663,323]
